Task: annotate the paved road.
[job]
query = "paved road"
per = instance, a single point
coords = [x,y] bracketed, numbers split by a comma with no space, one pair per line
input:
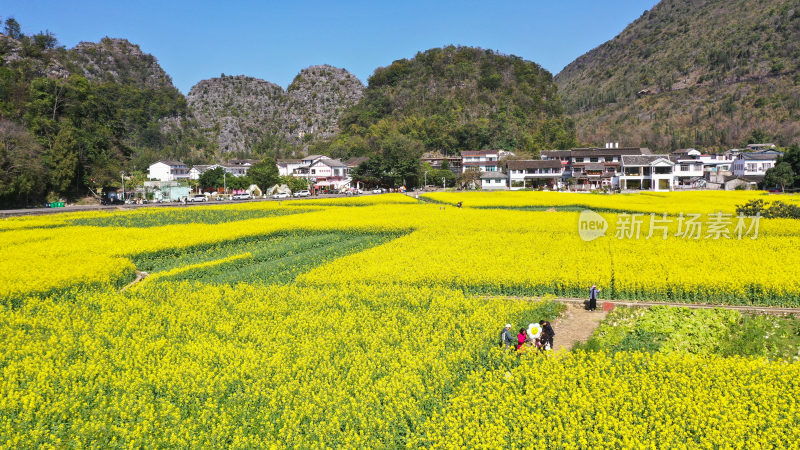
[77,208]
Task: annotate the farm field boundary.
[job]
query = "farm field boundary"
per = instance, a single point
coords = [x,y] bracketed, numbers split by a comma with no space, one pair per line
[775,310]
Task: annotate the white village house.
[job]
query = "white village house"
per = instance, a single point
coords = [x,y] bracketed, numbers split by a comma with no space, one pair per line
[482,160]
[494,180]
[168,170]
[646,172]
[535,173]
[286,167]
[755,164]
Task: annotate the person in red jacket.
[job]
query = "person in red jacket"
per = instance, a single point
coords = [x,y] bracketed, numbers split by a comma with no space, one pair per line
[521,338]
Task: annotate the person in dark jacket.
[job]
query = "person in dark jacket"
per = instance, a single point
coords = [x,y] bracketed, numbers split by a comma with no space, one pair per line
[547,333]
[506,337]
[593,298]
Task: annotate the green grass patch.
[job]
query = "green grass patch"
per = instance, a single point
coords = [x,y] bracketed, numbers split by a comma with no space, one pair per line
[698,331]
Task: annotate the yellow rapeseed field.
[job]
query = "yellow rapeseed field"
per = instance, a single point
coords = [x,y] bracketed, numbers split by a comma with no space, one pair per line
[392,346]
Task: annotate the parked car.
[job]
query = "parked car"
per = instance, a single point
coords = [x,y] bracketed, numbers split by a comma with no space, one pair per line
[280,195]
[303,193]
[244,196]
[377,191]
[197,198]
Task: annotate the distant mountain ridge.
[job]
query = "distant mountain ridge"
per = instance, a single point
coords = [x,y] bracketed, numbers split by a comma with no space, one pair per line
[707,73]
[241,111]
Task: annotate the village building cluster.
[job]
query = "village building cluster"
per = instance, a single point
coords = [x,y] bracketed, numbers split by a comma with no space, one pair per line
[619,168]
[608,167]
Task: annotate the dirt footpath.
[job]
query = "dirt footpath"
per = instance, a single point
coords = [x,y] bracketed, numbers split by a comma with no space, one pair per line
[575,325]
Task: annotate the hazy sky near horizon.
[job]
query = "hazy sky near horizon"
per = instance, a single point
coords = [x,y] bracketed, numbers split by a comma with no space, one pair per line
[195,40]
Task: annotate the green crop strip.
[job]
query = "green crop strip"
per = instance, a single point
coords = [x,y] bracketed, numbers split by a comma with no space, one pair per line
[273,259]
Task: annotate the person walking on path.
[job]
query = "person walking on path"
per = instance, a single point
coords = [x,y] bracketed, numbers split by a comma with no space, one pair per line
[506,339]
[593,298]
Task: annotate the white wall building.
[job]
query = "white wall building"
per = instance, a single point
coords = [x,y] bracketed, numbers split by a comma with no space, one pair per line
[688,172]
[755,163]
[167,170]
[483,160]
[325,173]
[286,167]
[646,172]
[534,173]
[494,180]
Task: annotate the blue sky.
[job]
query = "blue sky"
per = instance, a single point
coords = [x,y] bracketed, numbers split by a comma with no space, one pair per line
[195,40]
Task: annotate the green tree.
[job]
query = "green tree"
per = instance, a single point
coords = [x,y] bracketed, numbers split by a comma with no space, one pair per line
[264,174]
[135,180]
[470,177]
[436,176]
[294,183]
[62,160]
[239,183]
[22,176]
[13,29]
[781,175]
[213,178]
[45,40]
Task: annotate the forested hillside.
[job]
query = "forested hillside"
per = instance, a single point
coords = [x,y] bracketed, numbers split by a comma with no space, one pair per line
[456,98]
[707,73]
[71,120]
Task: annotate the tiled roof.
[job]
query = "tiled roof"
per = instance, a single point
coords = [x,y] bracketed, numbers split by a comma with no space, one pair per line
[330,162]
[479,152]
[591,152]
[170,162]
[493,175]
[760,156]
[533,164]
[557,153]
[642,160]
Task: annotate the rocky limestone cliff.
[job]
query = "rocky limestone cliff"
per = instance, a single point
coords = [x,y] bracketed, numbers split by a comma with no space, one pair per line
[236,109]
[240,111]
[119,61]
[317,97]
[31,60]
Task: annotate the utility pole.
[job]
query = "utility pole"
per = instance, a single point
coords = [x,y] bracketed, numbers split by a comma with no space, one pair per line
[224,183]
[444,186]
[426,179]
[122,175]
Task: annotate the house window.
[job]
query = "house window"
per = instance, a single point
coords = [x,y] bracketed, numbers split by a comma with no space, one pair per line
[313,171]
[684,167]
[595,159]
